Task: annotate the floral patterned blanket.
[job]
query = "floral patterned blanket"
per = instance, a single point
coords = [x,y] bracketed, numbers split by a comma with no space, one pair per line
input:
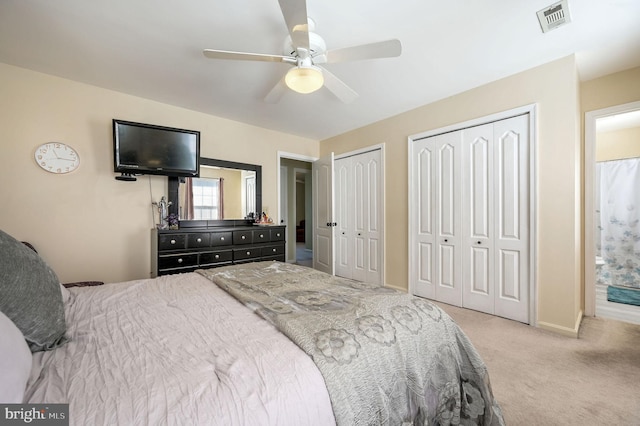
[387,358]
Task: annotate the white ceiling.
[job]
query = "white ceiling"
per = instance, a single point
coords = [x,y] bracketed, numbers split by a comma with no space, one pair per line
[153,49]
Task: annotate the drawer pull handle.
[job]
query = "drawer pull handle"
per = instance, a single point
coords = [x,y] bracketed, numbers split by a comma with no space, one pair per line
[199,240]
[180,260]
[261,236]
[248,253]
[217,256]
[173,241]
[221,238]
[243,237]
[278,234]
[274,250]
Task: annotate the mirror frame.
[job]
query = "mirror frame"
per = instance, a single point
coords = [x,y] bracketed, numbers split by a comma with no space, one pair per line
[174,182]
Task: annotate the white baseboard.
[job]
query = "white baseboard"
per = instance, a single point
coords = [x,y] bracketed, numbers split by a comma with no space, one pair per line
[404,290]
[565,331]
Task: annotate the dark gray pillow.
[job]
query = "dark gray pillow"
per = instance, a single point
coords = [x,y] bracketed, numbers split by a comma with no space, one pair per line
[30,295]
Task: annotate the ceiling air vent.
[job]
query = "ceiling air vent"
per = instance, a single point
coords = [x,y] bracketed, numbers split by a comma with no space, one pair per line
[554,16]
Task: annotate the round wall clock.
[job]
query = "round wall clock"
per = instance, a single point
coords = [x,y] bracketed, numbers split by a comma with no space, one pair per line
[56,157]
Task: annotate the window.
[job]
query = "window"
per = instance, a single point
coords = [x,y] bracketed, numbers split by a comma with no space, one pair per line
[206,199]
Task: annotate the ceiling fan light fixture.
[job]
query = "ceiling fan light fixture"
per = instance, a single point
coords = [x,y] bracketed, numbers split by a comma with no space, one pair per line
[304,80]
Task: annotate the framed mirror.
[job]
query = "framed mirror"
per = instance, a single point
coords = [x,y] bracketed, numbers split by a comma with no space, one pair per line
[225,190]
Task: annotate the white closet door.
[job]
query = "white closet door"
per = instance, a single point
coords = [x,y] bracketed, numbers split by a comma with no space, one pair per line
[495,224]
[448,257]
[511,187]
[344,256]
[422,271]
[322,193]
[478,223]
[367,186]
[358,207]
[438,189]
[470,231]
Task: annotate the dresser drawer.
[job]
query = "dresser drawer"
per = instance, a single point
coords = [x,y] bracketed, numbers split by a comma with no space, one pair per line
[172,241]
[173,261]
[261,236]
[272,250]
[242,237]
[221,238]
[213,257]
[277,234]
[198,240]
[248,253]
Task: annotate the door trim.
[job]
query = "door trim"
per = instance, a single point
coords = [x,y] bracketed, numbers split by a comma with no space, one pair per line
[590,118]
[530,109]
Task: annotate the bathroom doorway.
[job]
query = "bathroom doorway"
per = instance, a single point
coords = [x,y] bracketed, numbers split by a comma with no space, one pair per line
[612,203]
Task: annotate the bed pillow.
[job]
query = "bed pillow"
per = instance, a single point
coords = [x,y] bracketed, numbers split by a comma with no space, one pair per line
[30,295]
[15,362]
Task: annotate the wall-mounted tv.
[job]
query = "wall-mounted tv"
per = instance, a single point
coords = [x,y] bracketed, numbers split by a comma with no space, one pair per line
[147,149]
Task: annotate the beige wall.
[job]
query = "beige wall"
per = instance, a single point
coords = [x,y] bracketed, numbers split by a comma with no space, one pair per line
[611,90]
[87,225]
[617,145]
[554,88]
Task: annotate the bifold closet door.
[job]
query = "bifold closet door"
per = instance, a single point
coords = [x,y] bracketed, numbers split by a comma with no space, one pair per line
[358,180]
[495,227]
[471,228]
[438,191]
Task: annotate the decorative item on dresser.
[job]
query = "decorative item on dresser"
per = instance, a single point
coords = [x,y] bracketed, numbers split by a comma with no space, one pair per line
[213,243]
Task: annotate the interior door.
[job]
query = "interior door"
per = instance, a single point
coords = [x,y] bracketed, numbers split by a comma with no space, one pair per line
[323,214]
[344,254]
[511,186]
[368,223]
[284,207]
[478,204]
[437,221]
[448,232]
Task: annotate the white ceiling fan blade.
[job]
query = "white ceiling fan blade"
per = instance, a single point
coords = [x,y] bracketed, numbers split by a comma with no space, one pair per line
[381,49]
[336,86]
[295,16]
[225,54]
[276,93]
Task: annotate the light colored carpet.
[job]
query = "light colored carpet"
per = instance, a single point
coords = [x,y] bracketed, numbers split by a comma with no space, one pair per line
[541,378]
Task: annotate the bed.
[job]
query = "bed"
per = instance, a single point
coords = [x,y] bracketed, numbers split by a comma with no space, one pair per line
[264,343]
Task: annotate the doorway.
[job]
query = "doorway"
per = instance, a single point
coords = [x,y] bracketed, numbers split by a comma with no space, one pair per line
[296,206]
[612,139]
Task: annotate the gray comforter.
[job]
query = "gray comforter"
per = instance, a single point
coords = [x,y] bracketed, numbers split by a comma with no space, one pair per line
[387,358]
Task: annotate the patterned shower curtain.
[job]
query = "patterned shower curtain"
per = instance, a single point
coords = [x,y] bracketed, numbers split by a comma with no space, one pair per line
[620,222]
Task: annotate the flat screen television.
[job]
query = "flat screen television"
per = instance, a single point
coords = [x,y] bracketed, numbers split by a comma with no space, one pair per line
[147,149]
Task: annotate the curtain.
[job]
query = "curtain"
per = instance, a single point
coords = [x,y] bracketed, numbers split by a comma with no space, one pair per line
[188,199]
[619,221]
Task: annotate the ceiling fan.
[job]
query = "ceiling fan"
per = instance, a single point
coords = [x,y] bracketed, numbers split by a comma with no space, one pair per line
[306,50]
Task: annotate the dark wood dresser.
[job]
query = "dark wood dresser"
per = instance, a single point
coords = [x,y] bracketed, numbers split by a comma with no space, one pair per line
[209,244]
